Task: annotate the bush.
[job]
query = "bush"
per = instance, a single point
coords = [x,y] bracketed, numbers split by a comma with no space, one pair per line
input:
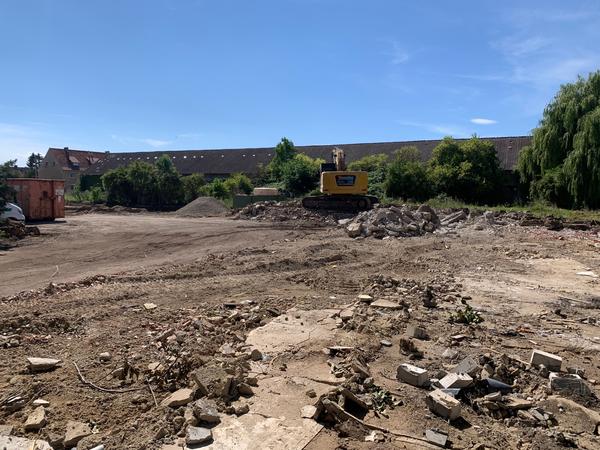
[552,188]
[6,171]
[469,171]
[376,166]
[192,187]
[300,174]
[284,152]
[238,184]
[407,176]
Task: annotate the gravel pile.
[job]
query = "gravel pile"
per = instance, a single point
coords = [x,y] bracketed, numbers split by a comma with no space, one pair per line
[204,207]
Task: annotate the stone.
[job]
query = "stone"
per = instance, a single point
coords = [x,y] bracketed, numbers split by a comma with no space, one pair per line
[365,298]
[417,332]
[456,380]
[385,343]
[42,364]
[75,432]
[386,304]
[443,405]
[346,314]
[587,273]
[354,229]
[6,430]
[412,375]
[155,366]
[256,355]
[569,383]
[449,354]
[198,435]
[311,393]
[190,417]
[206,411]
[40,402]
[150,306]
[245,390]
[178,398]
[240,410]
[104,357]
[36,420]
[309,412]
[437,437]
[550,361]
[516,403]
[467,365]
[18,443]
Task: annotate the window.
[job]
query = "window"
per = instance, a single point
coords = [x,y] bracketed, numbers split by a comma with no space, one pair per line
[345,180]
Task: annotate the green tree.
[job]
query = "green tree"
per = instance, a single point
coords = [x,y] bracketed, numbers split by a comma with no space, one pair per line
[33,164]
[238,183]
[376,166]
[143,181]
[469,171]
[6,171]
[300,174]
[192,186]
[284,152]
[407,176]
[169,188]
[118,187]
[567,142]
[217,189]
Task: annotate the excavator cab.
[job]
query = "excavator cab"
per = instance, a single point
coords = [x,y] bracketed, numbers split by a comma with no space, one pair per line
[343,190]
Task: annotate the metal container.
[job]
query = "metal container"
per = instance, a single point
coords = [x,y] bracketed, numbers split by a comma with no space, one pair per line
[40,199]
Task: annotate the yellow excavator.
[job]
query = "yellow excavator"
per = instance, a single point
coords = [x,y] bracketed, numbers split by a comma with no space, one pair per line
[343,190]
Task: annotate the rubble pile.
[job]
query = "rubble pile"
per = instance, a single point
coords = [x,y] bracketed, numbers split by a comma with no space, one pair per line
[290,211]
[17,230]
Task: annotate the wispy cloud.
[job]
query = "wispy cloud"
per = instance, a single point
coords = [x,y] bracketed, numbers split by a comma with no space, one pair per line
[155,142]
[397,54]
[482,121]
[152,142]
[439,129]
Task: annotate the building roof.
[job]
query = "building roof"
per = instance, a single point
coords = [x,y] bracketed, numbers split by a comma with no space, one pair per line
[226,161]
[70,159]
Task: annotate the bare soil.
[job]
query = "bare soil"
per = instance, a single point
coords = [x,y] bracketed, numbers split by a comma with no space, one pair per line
[79,290]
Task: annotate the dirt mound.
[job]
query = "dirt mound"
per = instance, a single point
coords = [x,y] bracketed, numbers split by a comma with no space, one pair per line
[290,211]
[204,207]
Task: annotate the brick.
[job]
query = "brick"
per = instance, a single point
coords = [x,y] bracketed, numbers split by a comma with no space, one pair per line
[417,332]
[456,380]
[552,362]
[468,366]
[443,405]
[412,375]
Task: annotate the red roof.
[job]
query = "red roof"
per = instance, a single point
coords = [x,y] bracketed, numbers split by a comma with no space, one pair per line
[71,159]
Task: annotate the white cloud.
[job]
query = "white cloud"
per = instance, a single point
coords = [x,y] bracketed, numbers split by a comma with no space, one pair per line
[397,54]
[155,142]
[438,129]
[126,140]
[482,121]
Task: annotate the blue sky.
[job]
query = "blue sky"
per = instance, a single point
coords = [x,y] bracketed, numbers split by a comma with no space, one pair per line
[124,75]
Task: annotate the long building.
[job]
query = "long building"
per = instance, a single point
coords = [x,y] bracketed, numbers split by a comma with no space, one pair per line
[223,162]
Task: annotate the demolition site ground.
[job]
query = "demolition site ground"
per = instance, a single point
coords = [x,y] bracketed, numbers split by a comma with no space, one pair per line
[281,331]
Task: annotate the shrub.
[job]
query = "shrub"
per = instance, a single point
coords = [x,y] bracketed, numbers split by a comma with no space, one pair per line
[407,176]
[284,152]
[376,166]
[300,174]
[192,187]
[238,184]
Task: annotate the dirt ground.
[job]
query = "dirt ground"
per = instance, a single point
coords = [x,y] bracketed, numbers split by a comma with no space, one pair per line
[216,288]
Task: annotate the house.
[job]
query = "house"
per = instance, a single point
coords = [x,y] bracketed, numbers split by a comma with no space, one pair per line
[223,162]
[67,164]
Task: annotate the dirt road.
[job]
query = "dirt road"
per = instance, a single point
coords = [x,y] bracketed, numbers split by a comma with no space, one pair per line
[93,244]
[188,299]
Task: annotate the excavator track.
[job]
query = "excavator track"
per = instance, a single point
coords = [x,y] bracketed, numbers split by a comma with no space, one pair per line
[340,202]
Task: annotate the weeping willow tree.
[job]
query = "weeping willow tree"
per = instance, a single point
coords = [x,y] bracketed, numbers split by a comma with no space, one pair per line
[562,165]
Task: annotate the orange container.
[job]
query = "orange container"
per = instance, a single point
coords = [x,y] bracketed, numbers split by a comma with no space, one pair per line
[40,199]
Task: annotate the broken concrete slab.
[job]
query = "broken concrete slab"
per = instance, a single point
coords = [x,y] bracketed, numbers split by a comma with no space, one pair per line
[18,443]
[206,411]
[36,420]
[178,398]
[366,298]
[198,435]
[308,412]
[572,416]
[412,375]
[75,432]
[6,430]
[569,383]
[456,381]
[437,437]
[468,366]
[417,332]
[552,362]
[443,405]
[385,304]
[42,364]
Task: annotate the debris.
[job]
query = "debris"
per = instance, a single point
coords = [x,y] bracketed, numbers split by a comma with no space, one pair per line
[6,430]
[104,357]
[240,410]
[497,386]
[412,375]
[437,437]
[467,365]
[587,273]
[36,420]
[42,364]
[443,405]
[309,412]
[150,306]
[40,402]
[365,298]
[386,304]
[206,411]
[18,443]
[569,383]
[178,398]
[197,435]
[256,355]
[408,347]
[550,361]
[385,343]
[456,381]
[417,332]
[449,354]
[75,432]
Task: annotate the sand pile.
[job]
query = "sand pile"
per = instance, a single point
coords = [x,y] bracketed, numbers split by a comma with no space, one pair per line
[204,207]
